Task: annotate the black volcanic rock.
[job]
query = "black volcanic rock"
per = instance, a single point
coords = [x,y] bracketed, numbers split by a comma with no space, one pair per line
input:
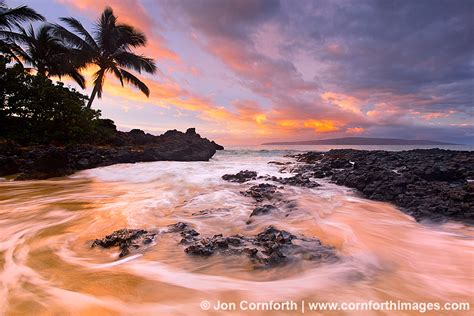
[426,183]
[217,146]
[298,180]
[271,247]
[262,210]
[240,177]
[262,191]
[42,162]
[126,240]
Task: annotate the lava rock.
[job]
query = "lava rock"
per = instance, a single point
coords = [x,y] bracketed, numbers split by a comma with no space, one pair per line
[219,211]
[262,210]
[188,234]
[240,177]
[126,240]
[296,180]
[262,191]
[429,184]
[42,162]
[271,247]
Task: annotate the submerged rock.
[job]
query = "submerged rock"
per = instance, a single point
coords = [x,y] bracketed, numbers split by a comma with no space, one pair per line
[186,231]
[262,191]
[126,240]
[296,180]
[240,177]
[219,211]
[280,163]
[269,248]
[262,210]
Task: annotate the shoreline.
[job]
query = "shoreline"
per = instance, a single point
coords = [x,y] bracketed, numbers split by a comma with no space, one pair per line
[49,161]
[428,184]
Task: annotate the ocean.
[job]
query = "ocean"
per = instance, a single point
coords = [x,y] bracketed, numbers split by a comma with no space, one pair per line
[48,267]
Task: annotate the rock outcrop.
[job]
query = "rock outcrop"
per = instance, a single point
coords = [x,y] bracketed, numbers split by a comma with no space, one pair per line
[42,162]
[430,184]
[240,177]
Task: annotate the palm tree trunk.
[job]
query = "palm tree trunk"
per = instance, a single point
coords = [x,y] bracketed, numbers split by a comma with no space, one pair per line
[98,82]
[92,97]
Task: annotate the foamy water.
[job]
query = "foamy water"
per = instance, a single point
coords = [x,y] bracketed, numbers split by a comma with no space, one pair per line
[47,265]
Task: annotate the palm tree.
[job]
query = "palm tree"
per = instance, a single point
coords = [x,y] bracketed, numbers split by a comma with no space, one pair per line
[110,48]
[11,17]
[47,53]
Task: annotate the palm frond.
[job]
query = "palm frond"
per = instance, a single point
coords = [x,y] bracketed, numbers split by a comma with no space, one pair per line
[71,38]
[78,78]
[79,28]
[12,50]
[117,73]
[10,16]
[107,35]
[130,36]
[134,81]
[136,62]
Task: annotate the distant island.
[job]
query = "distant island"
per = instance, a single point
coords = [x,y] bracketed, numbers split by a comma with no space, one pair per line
[362,141]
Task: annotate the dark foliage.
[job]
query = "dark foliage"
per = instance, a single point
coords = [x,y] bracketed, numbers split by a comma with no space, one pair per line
[34,110]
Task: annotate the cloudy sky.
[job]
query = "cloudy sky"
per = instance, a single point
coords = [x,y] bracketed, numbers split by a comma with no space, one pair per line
[247,72]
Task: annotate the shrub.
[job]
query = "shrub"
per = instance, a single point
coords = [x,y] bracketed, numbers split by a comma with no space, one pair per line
[35,110]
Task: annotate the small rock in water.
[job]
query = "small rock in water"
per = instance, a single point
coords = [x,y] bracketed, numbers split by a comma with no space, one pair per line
[240,177]
[186,231]
[269,248]
[125,239]
[262,191]
[220,211]
[261,210]
[279,163]
[296,180]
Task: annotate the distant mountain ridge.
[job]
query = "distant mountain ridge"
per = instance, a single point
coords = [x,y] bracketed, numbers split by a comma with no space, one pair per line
[362,141]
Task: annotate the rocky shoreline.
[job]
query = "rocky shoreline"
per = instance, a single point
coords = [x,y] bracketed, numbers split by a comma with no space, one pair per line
[43,162]
[428,184]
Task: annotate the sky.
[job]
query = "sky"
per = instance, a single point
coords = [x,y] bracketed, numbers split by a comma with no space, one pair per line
[248,72]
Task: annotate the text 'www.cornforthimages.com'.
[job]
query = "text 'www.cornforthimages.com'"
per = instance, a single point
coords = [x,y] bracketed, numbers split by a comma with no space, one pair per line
[309,306]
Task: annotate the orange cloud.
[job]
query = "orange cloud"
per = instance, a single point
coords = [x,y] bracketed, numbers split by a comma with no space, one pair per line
[355,130]
[345,102]
[382,110]
[322,126]
[435,115]
[319,126]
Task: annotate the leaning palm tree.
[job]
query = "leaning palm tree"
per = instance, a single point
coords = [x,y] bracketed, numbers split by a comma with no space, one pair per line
[11,17]
[110,48]
[47,53]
